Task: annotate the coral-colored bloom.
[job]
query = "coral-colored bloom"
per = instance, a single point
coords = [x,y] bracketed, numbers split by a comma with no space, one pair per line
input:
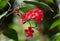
[29,32]
[36,14]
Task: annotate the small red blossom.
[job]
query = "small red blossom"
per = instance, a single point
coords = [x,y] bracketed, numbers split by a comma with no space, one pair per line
[36,15]
[29,32]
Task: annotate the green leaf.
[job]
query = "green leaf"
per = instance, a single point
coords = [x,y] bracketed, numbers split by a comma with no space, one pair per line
[56,37]
[11,33]
[50,1]
[40,5]
[20,40]
[56,23]
[25,9]
[3,3]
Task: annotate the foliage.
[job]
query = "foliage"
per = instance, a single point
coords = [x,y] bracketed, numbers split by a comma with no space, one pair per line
[3,3]
[40,5]
[56,23]
[11,33]
[51,1]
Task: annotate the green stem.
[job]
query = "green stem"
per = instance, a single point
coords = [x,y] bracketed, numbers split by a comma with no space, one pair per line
[29,23]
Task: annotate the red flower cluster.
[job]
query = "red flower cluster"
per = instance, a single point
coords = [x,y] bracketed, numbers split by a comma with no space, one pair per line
[29,32]
[36,14]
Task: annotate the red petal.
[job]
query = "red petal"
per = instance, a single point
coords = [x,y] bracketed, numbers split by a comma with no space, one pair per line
[38,15]
[28,15]
[27,35]
[30,35]
[21,21]
[29,32]
[29,28]
[23,16]
[26,31]
[32,31]
[37,19]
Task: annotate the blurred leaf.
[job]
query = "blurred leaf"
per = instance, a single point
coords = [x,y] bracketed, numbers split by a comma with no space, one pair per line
[20,40]
[25,9]
[29,40]
[51,1]
[11,33]
[56,23]
[56,37]
[40,5]
[56,15]
[3,3]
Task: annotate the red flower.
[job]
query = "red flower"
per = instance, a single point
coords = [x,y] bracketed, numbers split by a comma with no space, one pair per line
[36,14]
[29,32]
[25,17]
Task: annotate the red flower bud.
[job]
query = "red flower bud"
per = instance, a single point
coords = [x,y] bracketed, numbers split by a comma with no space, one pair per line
[29,32]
